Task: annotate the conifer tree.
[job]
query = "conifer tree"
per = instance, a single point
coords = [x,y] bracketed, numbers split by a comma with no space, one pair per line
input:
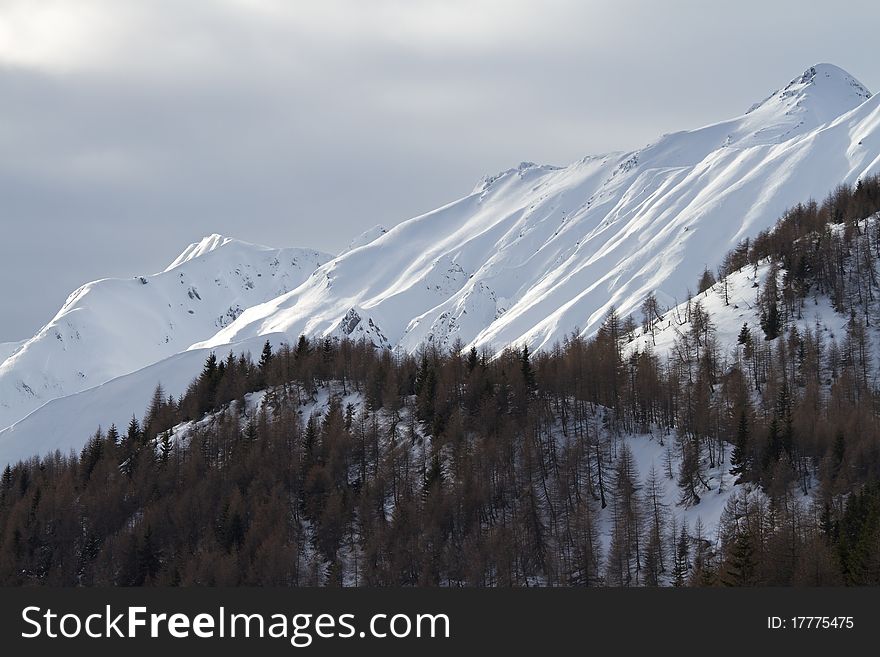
[680,564]
[165,447]
[707,280]
[302,348]
[656,513]
[744,338]
[148,563]
[771,322]
[526,367]
[472,359]
[741,565]
[739,459]
[266,357]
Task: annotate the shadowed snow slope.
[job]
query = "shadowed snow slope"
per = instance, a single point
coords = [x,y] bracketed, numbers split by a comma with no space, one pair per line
[537,251]
[66,423]
[114,326]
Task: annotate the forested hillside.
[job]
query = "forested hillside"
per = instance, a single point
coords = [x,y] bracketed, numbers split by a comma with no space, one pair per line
[332,462]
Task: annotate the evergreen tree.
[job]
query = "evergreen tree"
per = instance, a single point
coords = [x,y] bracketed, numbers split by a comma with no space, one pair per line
[302,348]
[165,447]
[741,565]
[739,460]
[681,563]
[839,450]
[625,558]
[707,280]
[773,448]
[133,433]
[656,513]
[5,485]
[771,322]
[266,357]
[744,338]
[859,537]
[472,359]
[690,477]
[310,439]
[526,368]
[433,477]
[148,562]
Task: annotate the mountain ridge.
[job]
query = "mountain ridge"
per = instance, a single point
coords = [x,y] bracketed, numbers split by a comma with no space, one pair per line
[537,251]
[113,326]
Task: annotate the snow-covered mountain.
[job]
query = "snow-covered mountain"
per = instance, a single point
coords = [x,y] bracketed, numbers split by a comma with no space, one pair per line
[536,251]
[115,326]
[531,255]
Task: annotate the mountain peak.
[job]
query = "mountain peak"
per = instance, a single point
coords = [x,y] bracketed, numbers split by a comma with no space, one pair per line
[824,90]
[205,245]
[829,79]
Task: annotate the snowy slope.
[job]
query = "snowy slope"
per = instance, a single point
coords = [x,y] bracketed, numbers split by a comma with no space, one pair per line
[650,453]
[369,235]
[66,423]
[742,308]
[536,251]
[115,326]
[8,348]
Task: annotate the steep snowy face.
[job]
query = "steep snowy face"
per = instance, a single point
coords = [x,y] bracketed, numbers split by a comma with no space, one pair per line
[537,252]
[197,249]
[822,93]
[114,326]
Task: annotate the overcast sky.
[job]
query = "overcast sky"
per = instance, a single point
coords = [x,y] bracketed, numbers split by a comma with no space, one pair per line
[129,129]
